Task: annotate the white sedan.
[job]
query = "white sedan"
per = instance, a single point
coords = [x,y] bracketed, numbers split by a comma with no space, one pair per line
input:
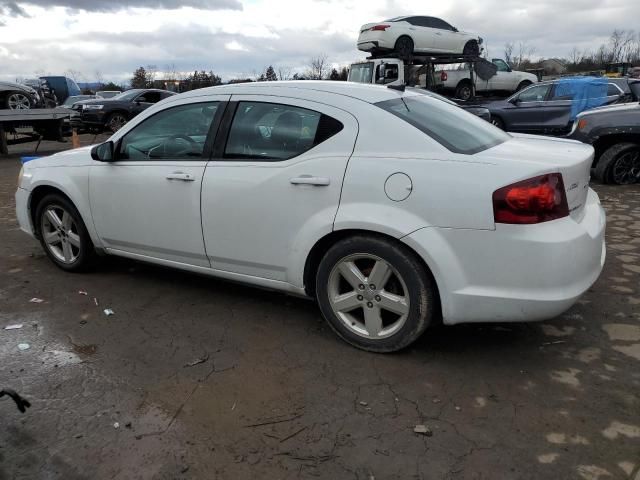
[391,208]
[417,34]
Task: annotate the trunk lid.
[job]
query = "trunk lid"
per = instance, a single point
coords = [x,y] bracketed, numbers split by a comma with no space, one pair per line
[569,157]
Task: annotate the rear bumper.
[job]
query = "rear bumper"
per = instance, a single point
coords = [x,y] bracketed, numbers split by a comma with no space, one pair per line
[370,41]
[516,272]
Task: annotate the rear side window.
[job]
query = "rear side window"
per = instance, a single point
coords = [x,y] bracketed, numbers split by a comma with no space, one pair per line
[441,24]
[613,90]
[276,132]
[450,126]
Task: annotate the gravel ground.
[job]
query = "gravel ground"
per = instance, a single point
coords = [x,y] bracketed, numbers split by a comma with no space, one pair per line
[195,378]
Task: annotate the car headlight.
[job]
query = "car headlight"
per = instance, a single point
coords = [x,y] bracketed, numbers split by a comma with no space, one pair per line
[92,107]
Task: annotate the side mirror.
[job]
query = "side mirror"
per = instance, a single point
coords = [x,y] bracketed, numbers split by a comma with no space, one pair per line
[514,100]
[103,152]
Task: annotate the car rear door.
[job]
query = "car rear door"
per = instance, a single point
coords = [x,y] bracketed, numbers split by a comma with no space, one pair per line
[557,111]
[146,203]
[425,37]
[527,110]
[274,183]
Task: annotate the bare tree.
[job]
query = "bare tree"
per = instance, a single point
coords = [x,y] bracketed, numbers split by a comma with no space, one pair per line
[575,56]
[318,68]
[151,71]
[508,52]
[525,51]
[74,75]
[284,73]
[99,78]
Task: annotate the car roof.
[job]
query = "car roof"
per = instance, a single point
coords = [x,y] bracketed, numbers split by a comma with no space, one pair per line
[294,88]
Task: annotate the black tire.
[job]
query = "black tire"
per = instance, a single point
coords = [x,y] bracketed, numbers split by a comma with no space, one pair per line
[471,48]
[523,84]
[86,255]
[497,121]
[412,280]
[610,169]
[404,47]
[464,90]
[116,121]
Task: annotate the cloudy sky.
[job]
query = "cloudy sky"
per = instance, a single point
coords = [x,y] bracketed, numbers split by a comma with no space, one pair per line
[238,38]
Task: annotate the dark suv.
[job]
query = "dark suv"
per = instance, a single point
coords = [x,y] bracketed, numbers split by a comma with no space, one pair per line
[112,113]
[614,132]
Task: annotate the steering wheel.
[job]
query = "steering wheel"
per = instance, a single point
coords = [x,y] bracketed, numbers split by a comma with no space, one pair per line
[172,142]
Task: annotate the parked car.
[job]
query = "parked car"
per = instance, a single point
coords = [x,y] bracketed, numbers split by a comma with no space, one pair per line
[62,86]
[547,109]
[614,132]
[417,34]
[112,113]
[505,80]
[74,104]
[108,93]
[390,208]
[47,97]
[14,96]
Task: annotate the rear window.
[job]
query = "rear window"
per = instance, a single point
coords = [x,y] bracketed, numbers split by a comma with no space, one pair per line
[449,125]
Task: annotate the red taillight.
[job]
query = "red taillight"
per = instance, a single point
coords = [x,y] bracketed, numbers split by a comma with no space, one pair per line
[535,200]
[443,76]
[380,27]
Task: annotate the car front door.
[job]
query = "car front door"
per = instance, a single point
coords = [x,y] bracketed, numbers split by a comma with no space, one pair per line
[147,201]
[275,184]
[526,110]
[502,80]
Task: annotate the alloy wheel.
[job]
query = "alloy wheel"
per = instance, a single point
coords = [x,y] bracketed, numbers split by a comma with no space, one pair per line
[116,122]
[18,101]
[626,169]
[368,295]
[60,234]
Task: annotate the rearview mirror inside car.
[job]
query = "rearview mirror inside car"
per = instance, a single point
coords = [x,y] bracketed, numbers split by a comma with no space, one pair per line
[103,152]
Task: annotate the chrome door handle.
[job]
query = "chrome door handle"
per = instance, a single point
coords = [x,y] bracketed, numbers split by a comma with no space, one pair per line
[185,177]
[309,180]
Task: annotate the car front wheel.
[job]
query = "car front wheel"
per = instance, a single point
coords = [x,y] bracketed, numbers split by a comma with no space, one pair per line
[63,235]
[375,294]
[116,121]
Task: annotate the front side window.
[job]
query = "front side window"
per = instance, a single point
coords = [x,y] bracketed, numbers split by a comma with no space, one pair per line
[175,133]
[449,125]
[501,64]
[274,132]
[537,93]
[149,97]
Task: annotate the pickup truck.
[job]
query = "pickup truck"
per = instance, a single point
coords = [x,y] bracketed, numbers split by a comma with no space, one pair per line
[505,80]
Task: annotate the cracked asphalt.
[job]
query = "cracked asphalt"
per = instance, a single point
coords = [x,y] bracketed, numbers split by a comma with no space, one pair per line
[195,378]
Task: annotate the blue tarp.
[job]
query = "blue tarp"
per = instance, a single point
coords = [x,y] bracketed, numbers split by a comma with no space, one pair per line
[584,93]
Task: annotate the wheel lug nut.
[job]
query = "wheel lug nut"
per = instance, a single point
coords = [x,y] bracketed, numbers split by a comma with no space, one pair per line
[372,287]
[369,304]
[361,287]
[360,297]
[377,298]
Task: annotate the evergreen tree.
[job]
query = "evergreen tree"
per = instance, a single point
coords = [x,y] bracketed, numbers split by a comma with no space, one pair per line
[270,74]
[139,79]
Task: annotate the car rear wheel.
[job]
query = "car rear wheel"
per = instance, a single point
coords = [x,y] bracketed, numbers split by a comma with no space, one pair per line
[404,47]
[116,121]
[17,101]
[464,91]
[471,48]
[619,164]
[63,235]
[375,294]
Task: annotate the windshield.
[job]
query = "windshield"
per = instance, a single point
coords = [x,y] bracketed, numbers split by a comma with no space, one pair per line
[361,72]
[128,95]
[452,127]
